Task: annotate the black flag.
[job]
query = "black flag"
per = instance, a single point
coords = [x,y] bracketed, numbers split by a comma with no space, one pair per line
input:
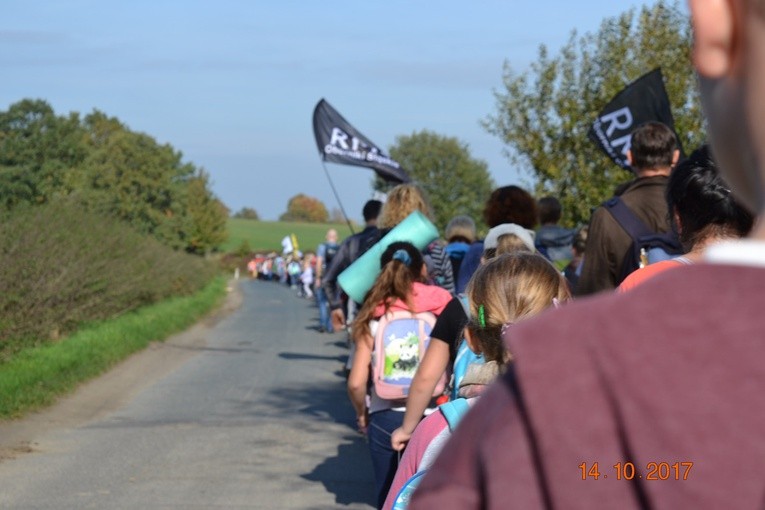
[339,142]
[643,100]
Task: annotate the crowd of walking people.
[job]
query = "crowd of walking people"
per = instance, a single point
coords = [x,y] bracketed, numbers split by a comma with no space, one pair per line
[615,365]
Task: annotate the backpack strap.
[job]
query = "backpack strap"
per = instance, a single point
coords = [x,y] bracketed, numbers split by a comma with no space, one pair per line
[627,219]
[454,411]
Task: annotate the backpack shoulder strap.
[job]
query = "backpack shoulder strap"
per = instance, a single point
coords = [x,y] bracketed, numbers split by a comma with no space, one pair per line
[454,411]
[626,218]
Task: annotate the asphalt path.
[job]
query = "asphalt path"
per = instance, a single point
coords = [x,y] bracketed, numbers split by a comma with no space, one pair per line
[250,412]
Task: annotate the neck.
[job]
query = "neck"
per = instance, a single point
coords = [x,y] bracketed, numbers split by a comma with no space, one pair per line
[758,232]
[653,172]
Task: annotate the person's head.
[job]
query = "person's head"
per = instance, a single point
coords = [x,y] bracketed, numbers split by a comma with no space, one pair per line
[332,235]
[510,204]
[460,229]
[702,204]
[506,290]
[653,147]
[507,238]
[401,264]
[371,211]
[402,201]
[549,210]
[729,55]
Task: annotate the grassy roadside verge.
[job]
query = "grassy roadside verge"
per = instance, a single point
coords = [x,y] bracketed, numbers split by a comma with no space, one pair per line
[36,377]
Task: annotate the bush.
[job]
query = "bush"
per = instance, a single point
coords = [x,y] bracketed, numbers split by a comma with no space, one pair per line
[61,267]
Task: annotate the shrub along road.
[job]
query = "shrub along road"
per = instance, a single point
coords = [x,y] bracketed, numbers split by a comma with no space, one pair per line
[247,410]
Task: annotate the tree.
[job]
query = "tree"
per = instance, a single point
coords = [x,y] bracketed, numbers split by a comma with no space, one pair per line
[304,208]
[543,114]
[130,176]
[208,216]
[454,182]
[108,169]
[247,213]
[38,151]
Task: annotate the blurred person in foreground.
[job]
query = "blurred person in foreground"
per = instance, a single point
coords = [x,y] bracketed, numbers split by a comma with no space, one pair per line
[667,378]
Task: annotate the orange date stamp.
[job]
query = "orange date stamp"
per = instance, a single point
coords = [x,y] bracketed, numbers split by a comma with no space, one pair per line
[628,471]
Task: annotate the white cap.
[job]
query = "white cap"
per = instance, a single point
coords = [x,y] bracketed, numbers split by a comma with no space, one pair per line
[525,235]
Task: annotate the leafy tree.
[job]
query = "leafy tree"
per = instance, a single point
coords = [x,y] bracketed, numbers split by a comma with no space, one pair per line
[247,213]
[454,182]
[208,216]
[543,115]
[108,169]
[304,208]
[130,176]
[38,151]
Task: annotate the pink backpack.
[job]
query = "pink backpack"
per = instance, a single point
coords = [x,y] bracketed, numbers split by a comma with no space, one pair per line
[399,344]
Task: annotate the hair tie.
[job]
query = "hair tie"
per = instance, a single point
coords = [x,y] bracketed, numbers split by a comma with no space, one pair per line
[481,316]
[402,256]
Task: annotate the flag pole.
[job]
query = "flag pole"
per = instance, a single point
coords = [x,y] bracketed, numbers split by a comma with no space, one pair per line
[337,197]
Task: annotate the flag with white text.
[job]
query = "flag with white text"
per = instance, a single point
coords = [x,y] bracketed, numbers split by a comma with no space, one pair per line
[339,142]
[643,100]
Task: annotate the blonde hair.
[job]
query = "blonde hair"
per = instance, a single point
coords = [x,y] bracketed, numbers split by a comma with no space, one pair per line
[402,201]
[460,227]
[510,288]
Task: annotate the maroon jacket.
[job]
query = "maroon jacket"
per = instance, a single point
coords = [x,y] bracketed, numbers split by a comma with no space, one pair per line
[673,372]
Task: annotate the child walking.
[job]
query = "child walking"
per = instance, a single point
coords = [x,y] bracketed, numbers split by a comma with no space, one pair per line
[399,287]
[504,291]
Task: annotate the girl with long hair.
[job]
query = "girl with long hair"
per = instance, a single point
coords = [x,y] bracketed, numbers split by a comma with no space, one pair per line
[398,287]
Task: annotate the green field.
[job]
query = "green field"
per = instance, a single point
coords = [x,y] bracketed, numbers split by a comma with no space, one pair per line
[268,235]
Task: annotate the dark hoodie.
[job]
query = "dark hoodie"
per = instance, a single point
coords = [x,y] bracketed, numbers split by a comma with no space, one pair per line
[555,242]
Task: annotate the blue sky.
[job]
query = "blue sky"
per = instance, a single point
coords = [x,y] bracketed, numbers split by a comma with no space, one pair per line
[232,84]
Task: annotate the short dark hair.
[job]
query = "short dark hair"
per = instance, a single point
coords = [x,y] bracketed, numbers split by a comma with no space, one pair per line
[372,209]
[549,210]
[653,146]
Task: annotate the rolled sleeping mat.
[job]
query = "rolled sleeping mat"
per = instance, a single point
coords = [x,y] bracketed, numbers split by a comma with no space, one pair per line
[359,277]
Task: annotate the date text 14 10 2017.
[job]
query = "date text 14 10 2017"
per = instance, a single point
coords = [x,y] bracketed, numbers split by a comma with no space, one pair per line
[628,471]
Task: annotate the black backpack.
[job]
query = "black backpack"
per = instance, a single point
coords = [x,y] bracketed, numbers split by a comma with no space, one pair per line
[644,240]
[330,250]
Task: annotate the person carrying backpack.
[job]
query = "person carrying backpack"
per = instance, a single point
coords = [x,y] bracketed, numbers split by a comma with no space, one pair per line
[390,333]
[349,251]
[324,255]
[505,290]
[652,155]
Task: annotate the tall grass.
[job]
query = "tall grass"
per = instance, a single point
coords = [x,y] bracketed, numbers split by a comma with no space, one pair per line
[36,376]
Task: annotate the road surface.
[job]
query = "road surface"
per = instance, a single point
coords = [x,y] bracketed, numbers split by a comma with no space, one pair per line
[245,411]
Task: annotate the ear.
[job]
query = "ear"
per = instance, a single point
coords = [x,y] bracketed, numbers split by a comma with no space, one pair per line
[629,157]
[675,157]
[678,223]
[472,342]
[713,26]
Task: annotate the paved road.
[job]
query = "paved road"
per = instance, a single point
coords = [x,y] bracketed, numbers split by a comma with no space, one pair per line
[255,417]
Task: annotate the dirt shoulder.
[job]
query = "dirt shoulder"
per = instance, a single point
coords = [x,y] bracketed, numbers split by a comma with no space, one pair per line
[110,391]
